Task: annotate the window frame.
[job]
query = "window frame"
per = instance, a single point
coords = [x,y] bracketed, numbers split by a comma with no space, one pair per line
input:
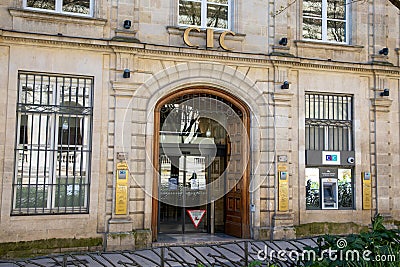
[55,187]
[203,14]
[324,19]
[58,9]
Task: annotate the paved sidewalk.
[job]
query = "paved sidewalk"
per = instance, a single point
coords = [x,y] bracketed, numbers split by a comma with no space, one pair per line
[170,251]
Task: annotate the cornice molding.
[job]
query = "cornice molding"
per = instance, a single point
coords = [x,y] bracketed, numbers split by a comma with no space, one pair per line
[53,40]
[55,17]
[189,53]
[329,46]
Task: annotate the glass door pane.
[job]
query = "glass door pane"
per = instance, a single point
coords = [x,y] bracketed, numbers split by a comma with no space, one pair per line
[171,194]
[195,193]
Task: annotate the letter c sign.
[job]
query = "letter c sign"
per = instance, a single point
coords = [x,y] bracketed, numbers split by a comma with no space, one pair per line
[209,36]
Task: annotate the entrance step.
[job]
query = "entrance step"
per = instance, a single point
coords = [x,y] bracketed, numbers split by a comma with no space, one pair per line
[193,239]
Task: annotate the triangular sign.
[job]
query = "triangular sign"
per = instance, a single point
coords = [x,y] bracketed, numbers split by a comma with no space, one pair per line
[196,216]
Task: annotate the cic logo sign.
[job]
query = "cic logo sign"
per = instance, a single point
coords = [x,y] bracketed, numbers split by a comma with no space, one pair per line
[330,158]
[209,36]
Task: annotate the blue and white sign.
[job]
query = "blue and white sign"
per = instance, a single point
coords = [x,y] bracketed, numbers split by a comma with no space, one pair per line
[330,158]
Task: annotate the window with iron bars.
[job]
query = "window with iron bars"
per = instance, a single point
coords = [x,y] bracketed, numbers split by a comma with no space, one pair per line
[328,122]
[53,144]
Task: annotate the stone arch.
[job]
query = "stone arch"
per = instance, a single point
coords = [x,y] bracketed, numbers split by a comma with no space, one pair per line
[184,75]
[219,76]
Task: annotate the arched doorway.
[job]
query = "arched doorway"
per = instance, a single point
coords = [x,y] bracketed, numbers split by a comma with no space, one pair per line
[201,152]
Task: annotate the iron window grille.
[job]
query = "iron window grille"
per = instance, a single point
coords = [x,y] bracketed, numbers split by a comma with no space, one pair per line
[53,144]
[328,122]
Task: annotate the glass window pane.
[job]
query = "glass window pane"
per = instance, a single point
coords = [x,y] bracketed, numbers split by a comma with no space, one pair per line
[336,9]
[336,31]
[345,188]
[70,132]
[70,192]
[217,16]
[189,13]
[42,4]
[76,6]
[312,29]
[312,188]
[321,138]
[312,8]
[36,90]
[33,197]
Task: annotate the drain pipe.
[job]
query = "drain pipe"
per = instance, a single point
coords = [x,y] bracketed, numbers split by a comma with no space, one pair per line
[275,171]
[375,117]
[251,183]
[275,175]
[375,149]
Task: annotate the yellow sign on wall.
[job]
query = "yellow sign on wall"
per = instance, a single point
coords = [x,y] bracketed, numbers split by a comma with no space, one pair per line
[283,180]
[367,190]
[121,190]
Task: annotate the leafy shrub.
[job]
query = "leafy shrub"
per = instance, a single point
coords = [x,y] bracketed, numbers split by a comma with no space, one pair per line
[377,247]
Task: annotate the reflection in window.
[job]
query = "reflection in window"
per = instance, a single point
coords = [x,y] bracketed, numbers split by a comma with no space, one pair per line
[325,20]
[345,190]
[82,7]
[42,4]
[53,144]
[312,188]
[76,6]
[204,13]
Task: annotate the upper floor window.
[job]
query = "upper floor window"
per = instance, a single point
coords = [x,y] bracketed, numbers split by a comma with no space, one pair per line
[329,122]
[325,20]
[205,13]
[78,7]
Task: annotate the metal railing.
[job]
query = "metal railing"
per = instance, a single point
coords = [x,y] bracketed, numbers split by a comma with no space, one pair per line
[232,254]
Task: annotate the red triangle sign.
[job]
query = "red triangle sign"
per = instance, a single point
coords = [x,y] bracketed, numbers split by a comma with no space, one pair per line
[196,216]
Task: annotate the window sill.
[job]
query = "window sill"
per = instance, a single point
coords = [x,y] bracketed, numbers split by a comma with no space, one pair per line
[55,17]
[326,45]
[316,210]
[176,30]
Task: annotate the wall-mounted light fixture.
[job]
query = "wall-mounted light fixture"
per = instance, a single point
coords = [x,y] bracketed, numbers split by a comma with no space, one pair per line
[385,92]
[283,41]
[127,24]
[127,73]
[285,85]
[384,51]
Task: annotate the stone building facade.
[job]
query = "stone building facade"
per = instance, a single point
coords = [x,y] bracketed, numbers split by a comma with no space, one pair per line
[88,144]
